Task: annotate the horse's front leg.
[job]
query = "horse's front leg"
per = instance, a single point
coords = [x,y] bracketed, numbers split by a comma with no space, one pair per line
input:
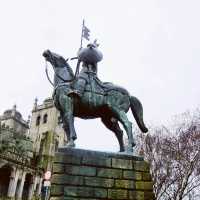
[66,127]
[66,103]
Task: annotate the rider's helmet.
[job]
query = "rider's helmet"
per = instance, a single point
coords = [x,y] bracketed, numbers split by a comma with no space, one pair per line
[90,54]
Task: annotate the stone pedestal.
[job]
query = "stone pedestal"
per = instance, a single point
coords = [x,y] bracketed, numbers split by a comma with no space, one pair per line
[81,174]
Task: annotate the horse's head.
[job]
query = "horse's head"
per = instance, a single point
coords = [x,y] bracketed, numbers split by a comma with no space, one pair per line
[63,71]
[55,59]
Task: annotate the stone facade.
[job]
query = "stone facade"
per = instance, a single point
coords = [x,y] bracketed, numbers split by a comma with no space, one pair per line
[82,174]
[19,174]
[45,118]
[12,119]
[46,131]
[27,149]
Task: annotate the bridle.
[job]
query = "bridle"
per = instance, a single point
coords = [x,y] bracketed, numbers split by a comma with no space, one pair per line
[65,81]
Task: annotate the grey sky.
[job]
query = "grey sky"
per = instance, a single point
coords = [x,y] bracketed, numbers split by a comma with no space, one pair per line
[150,47]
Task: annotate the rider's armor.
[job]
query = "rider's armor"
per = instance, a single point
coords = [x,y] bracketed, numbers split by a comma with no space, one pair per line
[85,77]
[89,57]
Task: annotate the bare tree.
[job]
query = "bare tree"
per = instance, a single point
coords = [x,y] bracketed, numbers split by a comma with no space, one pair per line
[174,156]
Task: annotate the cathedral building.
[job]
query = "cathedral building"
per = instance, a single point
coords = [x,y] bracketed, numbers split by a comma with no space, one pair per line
[27,148]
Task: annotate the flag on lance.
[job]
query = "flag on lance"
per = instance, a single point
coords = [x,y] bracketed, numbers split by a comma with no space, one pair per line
[85,33]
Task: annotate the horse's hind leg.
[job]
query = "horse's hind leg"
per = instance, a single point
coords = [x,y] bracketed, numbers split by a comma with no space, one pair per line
[113,125]
[121,116]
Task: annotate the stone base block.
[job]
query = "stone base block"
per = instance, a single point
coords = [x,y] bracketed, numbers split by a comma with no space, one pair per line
[82,174]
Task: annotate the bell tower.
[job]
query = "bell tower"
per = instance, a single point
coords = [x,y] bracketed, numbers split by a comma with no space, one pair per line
[46,128]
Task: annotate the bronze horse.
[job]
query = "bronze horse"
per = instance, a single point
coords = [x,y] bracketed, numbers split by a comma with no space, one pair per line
[110,107]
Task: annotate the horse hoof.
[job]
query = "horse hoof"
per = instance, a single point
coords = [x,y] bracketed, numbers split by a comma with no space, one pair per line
[122,150]
[70,145]
[129,149]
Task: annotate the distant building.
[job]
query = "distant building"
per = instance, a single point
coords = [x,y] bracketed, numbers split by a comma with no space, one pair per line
[27,149]
[12,119]
[46,130]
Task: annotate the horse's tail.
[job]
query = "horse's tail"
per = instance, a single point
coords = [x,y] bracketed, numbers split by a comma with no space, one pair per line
[137,111]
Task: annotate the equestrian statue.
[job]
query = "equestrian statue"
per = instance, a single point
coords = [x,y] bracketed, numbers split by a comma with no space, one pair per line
[82,94]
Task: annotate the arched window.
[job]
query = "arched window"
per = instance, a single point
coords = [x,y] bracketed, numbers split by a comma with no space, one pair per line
[45,119]
[38,120]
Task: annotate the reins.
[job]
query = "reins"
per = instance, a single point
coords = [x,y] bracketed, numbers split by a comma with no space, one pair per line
[65,81]
[47,74]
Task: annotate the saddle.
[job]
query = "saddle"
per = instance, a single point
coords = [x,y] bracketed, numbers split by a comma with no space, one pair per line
[102,88]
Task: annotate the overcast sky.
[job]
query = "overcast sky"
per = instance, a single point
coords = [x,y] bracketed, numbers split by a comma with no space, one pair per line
[151,47]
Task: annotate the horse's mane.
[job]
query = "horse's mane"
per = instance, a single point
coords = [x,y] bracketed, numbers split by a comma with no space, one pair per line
[69,69]
[67,66]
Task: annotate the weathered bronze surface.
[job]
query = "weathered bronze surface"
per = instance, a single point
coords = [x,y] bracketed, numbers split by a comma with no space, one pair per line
[85,96]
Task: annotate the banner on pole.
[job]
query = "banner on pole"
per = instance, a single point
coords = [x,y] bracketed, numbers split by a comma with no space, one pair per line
[86,33]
